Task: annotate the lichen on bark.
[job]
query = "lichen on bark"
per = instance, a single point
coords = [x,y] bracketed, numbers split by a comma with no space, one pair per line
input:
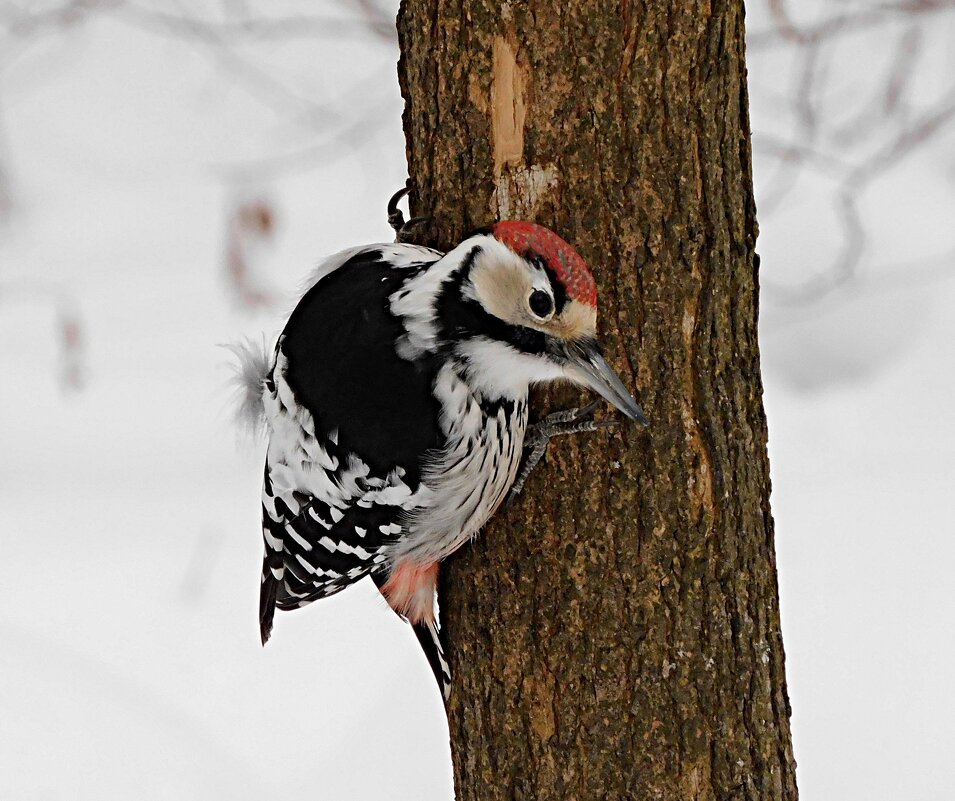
[616,635]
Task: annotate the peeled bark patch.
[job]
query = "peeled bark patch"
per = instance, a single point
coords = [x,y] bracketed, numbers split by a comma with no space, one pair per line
[507,106]
[518,186]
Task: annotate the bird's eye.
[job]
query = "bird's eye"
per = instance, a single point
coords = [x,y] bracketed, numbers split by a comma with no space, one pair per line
[540,303]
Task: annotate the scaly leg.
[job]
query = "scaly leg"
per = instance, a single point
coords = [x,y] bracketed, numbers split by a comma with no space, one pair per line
[539,435]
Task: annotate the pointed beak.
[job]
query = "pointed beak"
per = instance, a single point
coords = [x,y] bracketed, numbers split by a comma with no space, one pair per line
[586,365]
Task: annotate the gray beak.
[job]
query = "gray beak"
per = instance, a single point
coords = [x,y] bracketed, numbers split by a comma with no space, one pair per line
[586,365]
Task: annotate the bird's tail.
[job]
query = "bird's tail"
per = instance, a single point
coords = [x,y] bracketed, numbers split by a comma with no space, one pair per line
[431,638]
[267,598]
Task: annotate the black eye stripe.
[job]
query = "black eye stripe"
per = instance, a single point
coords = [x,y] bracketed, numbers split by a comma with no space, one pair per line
[560,294]
[540,303]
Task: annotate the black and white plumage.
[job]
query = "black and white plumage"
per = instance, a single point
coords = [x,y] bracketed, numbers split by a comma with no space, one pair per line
[395,405]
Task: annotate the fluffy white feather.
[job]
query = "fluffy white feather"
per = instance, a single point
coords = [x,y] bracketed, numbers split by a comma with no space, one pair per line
[253,359]
[463,484]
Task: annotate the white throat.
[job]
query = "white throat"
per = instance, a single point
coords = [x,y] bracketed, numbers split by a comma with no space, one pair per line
[498,370]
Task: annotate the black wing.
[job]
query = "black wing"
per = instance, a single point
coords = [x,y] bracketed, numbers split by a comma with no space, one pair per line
[372,419]
[314,550]
[343,367]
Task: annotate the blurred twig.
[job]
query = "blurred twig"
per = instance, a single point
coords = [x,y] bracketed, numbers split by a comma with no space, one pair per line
[854,151]
[21,20]
[251,227]
[785,32]
[69,331]
[258,27]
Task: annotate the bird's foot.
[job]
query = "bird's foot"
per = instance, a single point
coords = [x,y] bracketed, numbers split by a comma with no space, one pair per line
[396,218]
[539,435]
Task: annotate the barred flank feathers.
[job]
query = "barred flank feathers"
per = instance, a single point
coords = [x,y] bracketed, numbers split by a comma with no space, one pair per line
[253,360]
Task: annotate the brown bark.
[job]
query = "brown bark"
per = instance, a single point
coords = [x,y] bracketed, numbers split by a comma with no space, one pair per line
[616,635]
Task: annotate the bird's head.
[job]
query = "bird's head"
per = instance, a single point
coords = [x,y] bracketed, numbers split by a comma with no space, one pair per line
[523,308]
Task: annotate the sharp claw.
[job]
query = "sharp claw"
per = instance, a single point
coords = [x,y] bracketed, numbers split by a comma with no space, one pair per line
[403,234]
[590,407]
[396,218]
[393,202]
[394,213]
[586,411]
[568,421]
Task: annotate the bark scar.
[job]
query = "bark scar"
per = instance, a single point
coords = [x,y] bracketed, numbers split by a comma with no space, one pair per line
[518,187]
[508,111]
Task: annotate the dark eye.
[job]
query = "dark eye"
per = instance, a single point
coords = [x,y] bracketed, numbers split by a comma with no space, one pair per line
[540,303]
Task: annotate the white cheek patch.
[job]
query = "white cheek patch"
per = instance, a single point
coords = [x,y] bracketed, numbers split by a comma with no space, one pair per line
[542,282]
[500,370]
[576,321]
[501,283]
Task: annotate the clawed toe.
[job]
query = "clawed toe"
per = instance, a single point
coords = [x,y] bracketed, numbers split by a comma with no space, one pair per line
[568,421]
[396,217]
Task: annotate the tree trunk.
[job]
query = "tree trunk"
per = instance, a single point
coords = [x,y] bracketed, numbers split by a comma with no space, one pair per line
[616,635]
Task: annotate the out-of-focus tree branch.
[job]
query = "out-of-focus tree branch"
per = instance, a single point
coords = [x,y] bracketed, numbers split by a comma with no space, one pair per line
[24,19]
[851,143]
[251,227]
[260,27]
[68,324]
[785,32]
[244,41]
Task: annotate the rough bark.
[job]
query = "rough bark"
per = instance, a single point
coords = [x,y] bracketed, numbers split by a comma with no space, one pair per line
[616,635]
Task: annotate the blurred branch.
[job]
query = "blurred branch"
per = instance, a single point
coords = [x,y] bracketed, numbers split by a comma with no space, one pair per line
[786,32]
[223,39]
[251,228]
[243,41]
[252,28]
[925,271]
[852,152]
[6,190]
[850,190]
[298,159]
[253,78]
[69,325]
[902,69]
[888,98]
[792,157]
[18,21]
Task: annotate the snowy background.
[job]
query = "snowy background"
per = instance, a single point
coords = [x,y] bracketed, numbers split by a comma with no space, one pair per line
[167,180]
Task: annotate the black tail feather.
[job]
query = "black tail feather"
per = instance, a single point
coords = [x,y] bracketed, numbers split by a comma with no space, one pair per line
[431,638]
[267,598]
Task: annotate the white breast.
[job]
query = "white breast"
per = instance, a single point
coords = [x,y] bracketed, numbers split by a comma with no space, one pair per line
[467,481]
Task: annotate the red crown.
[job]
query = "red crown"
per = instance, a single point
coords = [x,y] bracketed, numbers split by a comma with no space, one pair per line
[527,238]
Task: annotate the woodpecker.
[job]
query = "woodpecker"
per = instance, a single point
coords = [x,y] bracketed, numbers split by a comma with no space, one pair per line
[395,404]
